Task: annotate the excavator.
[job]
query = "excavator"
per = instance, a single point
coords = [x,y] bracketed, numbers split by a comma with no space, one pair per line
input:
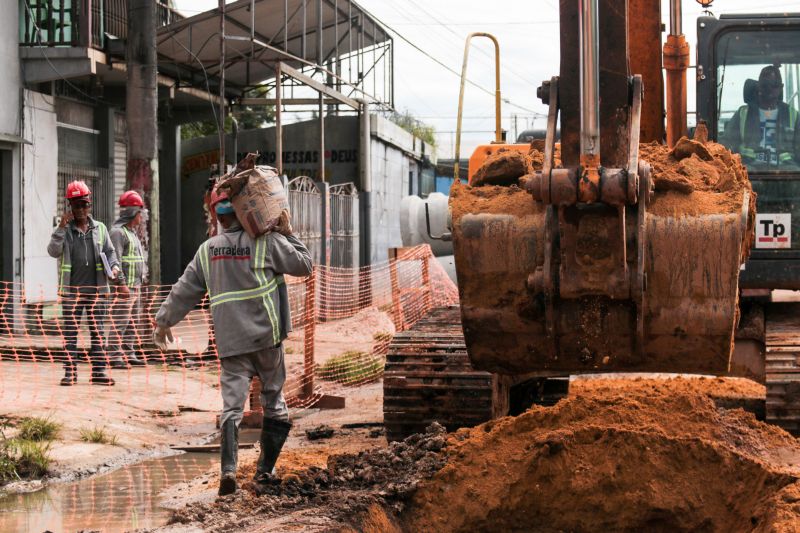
[571,272]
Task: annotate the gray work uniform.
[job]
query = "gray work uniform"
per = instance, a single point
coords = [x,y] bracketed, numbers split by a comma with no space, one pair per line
[124,337]
[83,284]
[249,308]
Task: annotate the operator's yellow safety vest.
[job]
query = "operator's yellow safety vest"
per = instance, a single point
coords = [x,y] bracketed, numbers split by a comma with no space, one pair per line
[783,157]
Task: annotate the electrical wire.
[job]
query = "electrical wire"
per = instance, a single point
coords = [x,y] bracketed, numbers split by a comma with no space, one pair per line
[445,66]
[503,65]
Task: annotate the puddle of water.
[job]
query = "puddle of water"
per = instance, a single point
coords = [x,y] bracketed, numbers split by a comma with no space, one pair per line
[121,500]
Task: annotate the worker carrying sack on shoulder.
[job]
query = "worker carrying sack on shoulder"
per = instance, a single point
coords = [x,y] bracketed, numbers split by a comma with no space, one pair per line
[258,197]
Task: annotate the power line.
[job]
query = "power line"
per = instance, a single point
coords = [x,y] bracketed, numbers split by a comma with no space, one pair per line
[439,22]
[477,117]
[446,67]
[476,23]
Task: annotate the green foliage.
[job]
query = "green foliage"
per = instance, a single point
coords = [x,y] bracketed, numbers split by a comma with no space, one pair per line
[382,336]
[21,458]
[249,117]
[31,458]
[98,435]
[414,126]
[8,466]
[38,429]
[352,368]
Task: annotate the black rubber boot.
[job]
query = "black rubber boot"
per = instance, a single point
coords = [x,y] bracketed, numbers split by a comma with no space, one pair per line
[273,436]
[70,375]
[229,453]
[99,377]
[134,360]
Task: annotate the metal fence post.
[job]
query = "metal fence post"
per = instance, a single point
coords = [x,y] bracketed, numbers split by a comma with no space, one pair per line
[427,295]
[397,304]
[325,247]
[308,335]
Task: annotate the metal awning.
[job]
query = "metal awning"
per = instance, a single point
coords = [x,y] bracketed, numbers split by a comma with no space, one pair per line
[299,33]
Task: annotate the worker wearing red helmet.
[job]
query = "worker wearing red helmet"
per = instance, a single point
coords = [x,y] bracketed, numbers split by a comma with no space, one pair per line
[88,263]
[249,302]
[122,336]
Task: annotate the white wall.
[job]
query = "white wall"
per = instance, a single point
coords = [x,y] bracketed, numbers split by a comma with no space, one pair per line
[39,194]
[10,81]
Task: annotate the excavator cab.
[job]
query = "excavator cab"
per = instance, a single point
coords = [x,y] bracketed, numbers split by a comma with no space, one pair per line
[748,92]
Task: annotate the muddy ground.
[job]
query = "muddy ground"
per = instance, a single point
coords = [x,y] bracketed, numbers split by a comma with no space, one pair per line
[661,447]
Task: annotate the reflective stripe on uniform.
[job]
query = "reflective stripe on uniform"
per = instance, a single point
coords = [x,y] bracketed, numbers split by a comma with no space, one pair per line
[204,260]
[65,268]
[742,121]
[269,305]
[246,294]
[101,229]
[131,258]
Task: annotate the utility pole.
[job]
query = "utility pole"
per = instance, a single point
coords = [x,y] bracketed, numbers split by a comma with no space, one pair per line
[516,130]
[221,114]
[141,109]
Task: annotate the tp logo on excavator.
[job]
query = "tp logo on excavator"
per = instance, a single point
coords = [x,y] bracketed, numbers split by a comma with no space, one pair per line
[773,230]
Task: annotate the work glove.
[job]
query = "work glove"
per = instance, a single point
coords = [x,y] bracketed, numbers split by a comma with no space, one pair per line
[284,226]
[162,335]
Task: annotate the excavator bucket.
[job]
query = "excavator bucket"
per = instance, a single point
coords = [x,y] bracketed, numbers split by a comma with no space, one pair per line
[682,322]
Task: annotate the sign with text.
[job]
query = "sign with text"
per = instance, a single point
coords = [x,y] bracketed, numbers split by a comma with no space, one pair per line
[774,230]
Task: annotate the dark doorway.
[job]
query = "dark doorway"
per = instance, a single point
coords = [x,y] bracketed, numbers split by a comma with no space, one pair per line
[6,218]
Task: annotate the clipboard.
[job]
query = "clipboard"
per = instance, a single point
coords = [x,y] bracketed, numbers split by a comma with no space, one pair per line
[106,266]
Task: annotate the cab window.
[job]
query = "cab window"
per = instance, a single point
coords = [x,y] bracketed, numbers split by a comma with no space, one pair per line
[758,84]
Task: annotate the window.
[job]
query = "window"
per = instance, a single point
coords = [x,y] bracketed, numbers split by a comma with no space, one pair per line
[758,79]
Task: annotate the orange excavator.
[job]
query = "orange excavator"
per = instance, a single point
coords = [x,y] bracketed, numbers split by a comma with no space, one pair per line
[567,270]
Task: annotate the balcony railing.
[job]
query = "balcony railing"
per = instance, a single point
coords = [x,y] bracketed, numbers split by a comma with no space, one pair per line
[79,22]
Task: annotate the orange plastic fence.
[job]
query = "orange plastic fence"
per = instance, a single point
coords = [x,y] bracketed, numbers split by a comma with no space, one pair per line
[343,321]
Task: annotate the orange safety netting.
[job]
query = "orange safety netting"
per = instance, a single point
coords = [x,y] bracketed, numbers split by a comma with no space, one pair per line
[343,321]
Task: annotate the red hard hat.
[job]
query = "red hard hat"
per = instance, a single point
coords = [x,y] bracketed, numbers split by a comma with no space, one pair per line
[77,189]
[217,196]
[131,199]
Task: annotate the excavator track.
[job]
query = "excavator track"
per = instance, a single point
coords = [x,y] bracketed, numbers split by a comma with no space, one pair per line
[428,378]
[782,366]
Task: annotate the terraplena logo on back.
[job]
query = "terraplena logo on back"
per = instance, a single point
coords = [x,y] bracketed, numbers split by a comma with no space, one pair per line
[229,252]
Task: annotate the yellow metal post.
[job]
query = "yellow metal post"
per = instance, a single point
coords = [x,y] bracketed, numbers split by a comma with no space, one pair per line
[498,129]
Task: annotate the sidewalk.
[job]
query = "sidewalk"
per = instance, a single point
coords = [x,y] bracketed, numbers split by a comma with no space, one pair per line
[148,408]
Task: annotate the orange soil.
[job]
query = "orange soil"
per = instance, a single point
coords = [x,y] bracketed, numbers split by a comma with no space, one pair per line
[648,455]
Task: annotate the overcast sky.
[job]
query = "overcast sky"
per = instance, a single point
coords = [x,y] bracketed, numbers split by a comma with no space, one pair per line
[528,34]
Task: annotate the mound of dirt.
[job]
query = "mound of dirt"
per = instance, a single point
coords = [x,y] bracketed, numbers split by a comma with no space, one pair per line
[652,458]
[713,387]
[696,178]
[693,178]
[502,168]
